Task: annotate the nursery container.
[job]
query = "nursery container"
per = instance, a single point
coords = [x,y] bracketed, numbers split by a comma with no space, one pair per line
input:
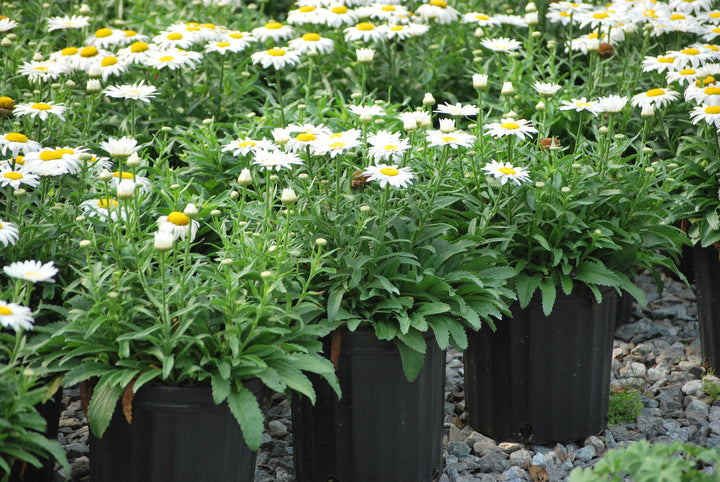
[707,289]
[384,428]
[541,379]
[176,434]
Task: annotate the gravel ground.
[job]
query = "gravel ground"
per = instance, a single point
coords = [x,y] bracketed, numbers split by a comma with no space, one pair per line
[657,349]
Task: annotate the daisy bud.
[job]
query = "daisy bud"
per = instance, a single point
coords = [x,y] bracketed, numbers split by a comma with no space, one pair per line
[274,177]
[37,57]
[94,71]
[507,88]
[479,81]
[479,33]
[540,106]
[85,9]
[598,232]
[539,184]
[80,218]
[355,95]
[288,196]
[105,175]
[191,210]
[530,7]
[6,42]
[366,117]
[650,169]
[365,55]
[93,85]
[619,136]
[175,186]
[70,84]
[650,149]
[126,189]
[272,249]
[280,136]
[321,241]
[163,240]
[511,114]
[536,33]
[647,111]
[303,176]
[234,194]
[551,43]
[447,125]
[133,160]
[565,189]
[576,165]
[19,192]
[215,212]
[531,18]
[428,99]
[84,243]
[55,85]
[226,261]
[266,274]
[364,208]
[603,130]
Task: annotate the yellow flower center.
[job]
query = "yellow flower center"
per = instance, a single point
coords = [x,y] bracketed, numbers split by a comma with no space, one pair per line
[166,58]
[600,15]
[508,171]
[69,51]
[20,160]
[337,145]
[15,137]
[397,28]
[88,52]
[389,171]
[130,33]
[5,311]
[62,152]
[276,52]
[677,16]
[387,8]
[707,80]
[687,72]
[666,60]
[365,26]
[108,61]
[306,137]
[106,203]
[41,68]
[273,25]
[448,139]
[339,10]
[716,30]
[438,3]
[6,102]
[178,218]
[564,14]
[14,175]
[125,175]
[654,92]
[103,32]
[50,156]
[690,51]
[510,125]
[712,91]
[482,16]
[236,35]
[713,109]
[138,47]
[223,44]
[246,144]
[307,9]
[389,147]
[593,35]
[714,48]
[311,37]
[650,13]
[174,36]
[210,26]
[41,106]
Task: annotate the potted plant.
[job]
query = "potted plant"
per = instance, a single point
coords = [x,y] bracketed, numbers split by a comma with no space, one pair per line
[178,318]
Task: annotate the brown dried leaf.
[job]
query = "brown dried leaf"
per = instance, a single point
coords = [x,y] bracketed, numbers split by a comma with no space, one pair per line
[335,348]
[458,423]
[86,391]
[538,473]
[127,399]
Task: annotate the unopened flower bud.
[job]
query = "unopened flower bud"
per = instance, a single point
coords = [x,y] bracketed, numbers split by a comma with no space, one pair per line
[191,210]
[540,106]
[603,130]
[507,88]
[93,85]
[85,243]
[105,175]
[125,189]
[84,9]
[234,194]
[565,189]
[321,241]
[95,70]
[80,218]
[19,192]
[479,33]
[163,240]
[133,160]
[531,18]
[409,123]
[539,184]
[288,196]
[530,7]
[428,99]
[266,274]
[215,212]
[70,84]
[37,57]
[6,42]
[226,261]
[245,177]
[364,208]
[479,81]
[365,55]
[447,125]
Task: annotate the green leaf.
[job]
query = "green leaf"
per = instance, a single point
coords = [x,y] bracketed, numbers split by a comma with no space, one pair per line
[246,409]
[412,361]
[334,302]
[440,329]
[414,339]
[102,406]
[457,332]
[549,292]
[712,219]
[271,379]
[596,273]
[220,387]
[525,287]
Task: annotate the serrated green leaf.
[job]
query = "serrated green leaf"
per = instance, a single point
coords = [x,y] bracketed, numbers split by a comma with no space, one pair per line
[525,287]
[549,292]
[246,409]
[220,388]
[102,406]
[412,361]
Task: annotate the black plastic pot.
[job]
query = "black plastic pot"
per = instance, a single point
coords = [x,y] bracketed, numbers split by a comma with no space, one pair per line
[50,411]
[707,289]
[178,435]
[541,379]
[384,428]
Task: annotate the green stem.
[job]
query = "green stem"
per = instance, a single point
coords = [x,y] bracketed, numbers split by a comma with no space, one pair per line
[281,101]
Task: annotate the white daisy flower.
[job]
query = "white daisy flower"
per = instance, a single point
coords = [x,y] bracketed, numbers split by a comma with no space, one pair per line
[136,52]
[312,42]
[579,105]
[692,56]
[239,39]
[612,104]
[366,112]
[54,162]
[654,97]
[106,37]
[40,109]
[103,209]
[68,22]
[337,143]
[454,139]
[111,66]
[14,142]
[122,147]
[338,15]
[15,316]
[511,127]
[172,59]
[684,77]
[278,57]
[703,95]
[223,47]
[31,270]
[42,71]
[438,10]
[7,24]
[273,31]
[387,146]
[306,14]
[710,114]
[8,233]
[17,177]
[506,171]
[138,91]
[659,64]
[140,182]
[88,56]
[481,19]
[172,39]
[501,44]
[364,31]
[275,159]
[546,89]
[386,174]
[179,224]
[244,146]
[457,109]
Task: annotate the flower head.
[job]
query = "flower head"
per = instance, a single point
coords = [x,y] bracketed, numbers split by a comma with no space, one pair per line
[579,105]
[511,127]
[31,270]
[386,174]
[655,97]
[505,171]
[457,109]
[179,224]
[138,91]
[386,145]
[122,147]
[8,233]
[15,316]
[39,109]
[278,57]
[501,44]
[15,142]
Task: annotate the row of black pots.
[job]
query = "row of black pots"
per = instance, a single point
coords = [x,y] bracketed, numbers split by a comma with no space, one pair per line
[536,379]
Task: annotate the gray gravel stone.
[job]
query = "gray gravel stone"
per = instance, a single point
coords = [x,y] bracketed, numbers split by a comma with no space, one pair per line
[458,449]
[693,387]
[586,453]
